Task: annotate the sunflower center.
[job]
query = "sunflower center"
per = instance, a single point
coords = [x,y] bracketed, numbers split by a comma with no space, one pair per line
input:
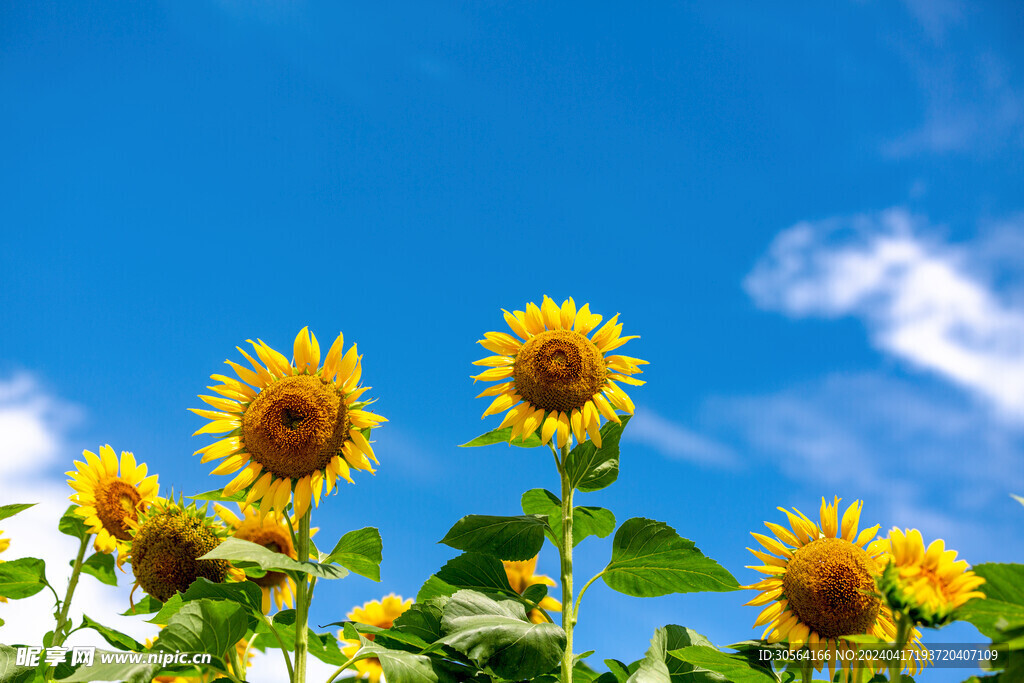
[558,370]
[164,553]
[272,538]
[295,426]
[830,587]
[116,503]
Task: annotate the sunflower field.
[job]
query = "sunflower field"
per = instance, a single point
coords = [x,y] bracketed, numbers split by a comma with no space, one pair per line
[234,571]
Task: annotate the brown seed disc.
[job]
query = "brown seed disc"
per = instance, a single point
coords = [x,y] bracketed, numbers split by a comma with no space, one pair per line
[558,370]
[295,426]
[116,502]
[830,587]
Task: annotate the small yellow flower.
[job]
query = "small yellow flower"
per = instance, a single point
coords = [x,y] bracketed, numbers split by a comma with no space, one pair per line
[820,583]
[560,382]
[272,532]
[381,614]
[926,584]
[5,543]
[521,576]
[290,426]
[110,502]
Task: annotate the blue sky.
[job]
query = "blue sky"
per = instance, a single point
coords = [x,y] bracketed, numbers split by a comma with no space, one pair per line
[811,214]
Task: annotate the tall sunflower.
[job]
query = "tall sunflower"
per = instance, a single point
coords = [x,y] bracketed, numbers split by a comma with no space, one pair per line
[927,584]
[521,576]
[560,381]
[290,426]
[381,614]
[821,582]
[110,502]
[270,531]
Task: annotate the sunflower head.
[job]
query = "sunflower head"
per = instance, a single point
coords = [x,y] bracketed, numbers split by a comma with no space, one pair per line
[110,500]
[927,584]
[820,583]
[555,378]
[290,426]
[272,532]
[381,614]
[521,576]
[166,543]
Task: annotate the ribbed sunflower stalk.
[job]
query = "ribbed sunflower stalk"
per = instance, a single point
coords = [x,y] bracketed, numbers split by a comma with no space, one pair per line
[303,597]
[565,551]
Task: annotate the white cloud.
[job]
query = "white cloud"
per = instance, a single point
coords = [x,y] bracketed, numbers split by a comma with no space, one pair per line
[676,441]
[919,297]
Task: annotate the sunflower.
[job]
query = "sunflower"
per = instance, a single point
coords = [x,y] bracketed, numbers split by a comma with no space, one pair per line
[290,425]
[560,381]
[167,542]
[821,582]
[5,543]
[110,502]
[929,584]
[272,532]
[381,614]
[520,577]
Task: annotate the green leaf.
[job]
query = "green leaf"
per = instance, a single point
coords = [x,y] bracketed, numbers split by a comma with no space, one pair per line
[246,593]
[591,468]
[506,538]
[10,670]
[218,495]
[12,509]
[735,668]
[404,667]
[323,646]
[1003,606]
[122,641]
[649,559]
[502,436]
[123,671]
[360,552]
[22,578]
[210,626]
[468,570]
[245,553]
[422,620]
[658,666]
[499,636]
[147,605]
[534,593]
[100,565]
[72,525]
[586,521]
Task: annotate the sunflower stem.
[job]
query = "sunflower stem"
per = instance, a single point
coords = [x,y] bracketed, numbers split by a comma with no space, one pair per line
[902,635]
[237,668]
[284,651]
[568,613]
[76,570]
[807,671]
[341,669]
[302,600]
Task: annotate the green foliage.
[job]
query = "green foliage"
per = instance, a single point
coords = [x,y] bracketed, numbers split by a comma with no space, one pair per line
[245,554]
[12,509]
[323,646]
[506,538]
[502,436]
[10,671]
[650,559]
[246,594]
[72,525]
[147,605]
[22,578]
[658,666]
[127,672]
[121,641]
[586,521]
[405,667]
[204,625]
[469,570]
[360,552]
[100,565]
[734,667]
[497,636]
[218,496]
[591,468]
[1003,607]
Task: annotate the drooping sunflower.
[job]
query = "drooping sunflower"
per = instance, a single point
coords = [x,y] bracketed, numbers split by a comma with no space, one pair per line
[926,584]
[167,542]
[108,501]
[821,583]
[521,576]
[381,614]
[559,381]
[272,532]
[5,543]
[290,426]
